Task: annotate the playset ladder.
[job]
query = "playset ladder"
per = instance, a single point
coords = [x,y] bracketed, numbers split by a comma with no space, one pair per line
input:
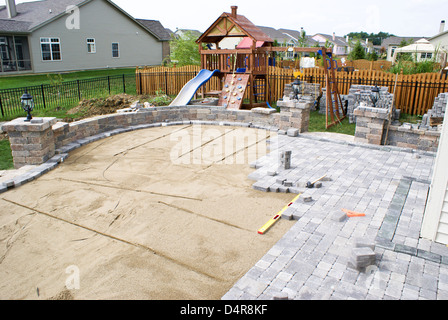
[232,94]
[333,102]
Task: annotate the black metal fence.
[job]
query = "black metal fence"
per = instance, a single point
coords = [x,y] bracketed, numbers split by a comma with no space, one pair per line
[412,97]
[66,94]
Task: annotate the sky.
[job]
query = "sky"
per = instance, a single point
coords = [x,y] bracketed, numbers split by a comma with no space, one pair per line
[412,18]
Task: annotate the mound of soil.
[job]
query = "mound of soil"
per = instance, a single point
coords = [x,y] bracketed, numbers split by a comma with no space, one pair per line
[99,106]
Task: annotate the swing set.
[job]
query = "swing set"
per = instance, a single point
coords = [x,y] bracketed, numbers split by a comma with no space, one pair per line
[246,66]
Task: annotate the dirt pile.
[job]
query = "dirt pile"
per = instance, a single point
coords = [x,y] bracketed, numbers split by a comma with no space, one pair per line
[98,106]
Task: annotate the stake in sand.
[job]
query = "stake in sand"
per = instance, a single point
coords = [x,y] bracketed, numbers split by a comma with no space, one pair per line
[277,217]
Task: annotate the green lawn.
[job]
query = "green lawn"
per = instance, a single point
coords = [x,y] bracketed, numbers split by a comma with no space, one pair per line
[6,162]
[317,124]
[8,82]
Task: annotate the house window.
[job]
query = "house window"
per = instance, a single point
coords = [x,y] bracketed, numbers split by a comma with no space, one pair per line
[115,50]
[51,49]
[91,47]
[393,51]
[426,55]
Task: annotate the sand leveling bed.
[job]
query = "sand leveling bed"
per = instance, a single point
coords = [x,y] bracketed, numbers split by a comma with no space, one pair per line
[159,213]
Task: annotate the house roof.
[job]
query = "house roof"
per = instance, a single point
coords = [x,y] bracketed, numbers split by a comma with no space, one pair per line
[286,35]
[391,41]
[233,25]
[157,28]
[33,15]
[7,25]
[339,41]
[439,35]
[36,13]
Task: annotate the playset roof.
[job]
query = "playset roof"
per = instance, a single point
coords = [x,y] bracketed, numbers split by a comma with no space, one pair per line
[233,25]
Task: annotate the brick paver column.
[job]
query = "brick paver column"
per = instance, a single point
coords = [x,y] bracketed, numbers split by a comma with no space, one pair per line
[32,143]
[370,124]
[294,114]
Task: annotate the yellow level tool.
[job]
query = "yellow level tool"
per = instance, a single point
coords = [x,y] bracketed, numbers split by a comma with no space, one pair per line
[277,217]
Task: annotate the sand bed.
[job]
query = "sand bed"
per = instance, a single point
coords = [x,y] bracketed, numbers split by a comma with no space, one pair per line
[161,213]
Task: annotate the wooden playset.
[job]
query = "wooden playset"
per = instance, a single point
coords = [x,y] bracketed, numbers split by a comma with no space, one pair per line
[245,68]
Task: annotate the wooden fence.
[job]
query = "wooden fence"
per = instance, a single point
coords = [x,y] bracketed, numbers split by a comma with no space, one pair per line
[362,64]
[414,94]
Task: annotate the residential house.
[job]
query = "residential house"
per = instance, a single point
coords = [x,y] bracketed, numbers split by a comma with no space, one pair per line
[289,38]
[66,35]
[161,32]
[440,42]
[392,43]
[339,44]
[182,32]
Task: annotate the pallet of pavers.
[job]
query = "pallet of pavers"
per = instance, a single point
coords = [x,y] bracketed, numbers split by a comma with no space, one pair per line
[232,94]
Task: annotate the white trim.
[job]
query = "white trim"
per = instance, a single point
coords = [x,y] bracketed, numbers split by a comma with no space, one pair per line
[89,44]
[439,184]
[51,51]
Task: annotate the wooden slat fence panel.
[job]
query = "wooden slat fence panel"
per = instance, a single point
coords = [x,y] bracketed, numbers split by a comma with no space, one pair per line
[414,94]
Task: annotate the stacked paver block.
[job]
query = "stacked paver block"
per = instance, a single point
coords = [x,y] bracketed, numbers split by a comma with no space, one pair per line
[361,95]
[304,90]
[294,114]
[370,124]
[32,143]
[437,111]
[285,159]
[412,137]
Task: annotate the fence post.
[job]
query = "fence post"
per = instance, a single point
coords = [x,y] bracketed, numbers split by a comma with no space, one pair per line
[43,95]
[79,90]
[1,107]
[124,84]
[140,81]
[414,100]
[108,83]
[166,82]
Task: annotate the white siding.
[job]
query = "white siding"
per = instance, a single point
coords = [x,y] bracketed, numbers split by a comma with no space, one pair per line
[99,20]
[442,230]
[435,220]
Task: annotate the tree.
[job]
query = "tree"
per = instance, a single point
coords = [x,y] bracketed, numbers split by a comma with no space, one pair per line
[358,52]
[375,38]
[372,56]
[184,50]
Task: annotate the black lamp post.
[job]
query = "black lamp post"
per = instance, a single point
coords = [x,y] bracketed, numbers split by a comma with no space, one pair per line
[27,104]
[375,95]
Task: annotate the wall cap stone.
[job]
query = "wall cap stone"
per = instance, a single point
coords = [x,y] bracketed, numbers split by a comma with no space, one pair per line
[19,124]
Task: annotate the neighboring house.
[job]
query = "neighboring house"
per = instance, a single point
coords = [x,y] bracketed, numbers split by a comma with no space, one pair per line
[440,42]
[288,38]
[51,36]
[182,32]
[339,44]
[392,43]
[161,32]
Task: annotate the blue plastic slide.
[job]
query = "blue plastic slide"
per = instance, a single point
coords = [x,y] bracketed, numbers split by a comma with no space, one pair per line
[186,94]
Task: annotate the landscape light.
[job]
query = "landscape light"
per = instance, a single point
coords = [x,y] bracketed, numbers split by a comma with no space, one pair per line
[375,95]
[27,104]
